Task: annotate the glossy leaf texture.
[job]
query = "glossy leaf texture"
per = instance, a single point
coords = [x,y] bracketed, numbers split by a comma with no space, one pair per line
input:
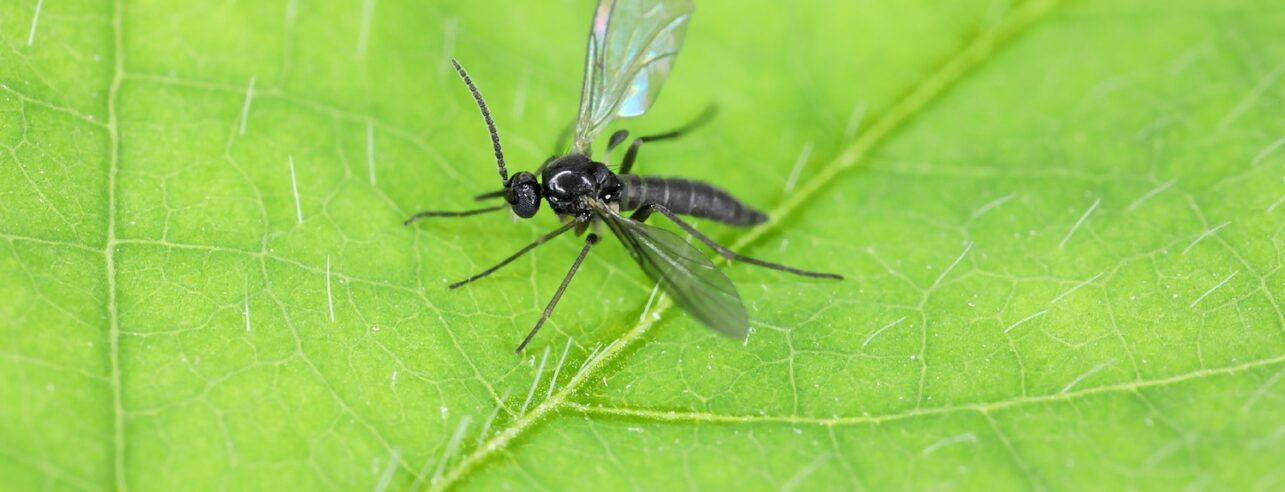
[1062,225]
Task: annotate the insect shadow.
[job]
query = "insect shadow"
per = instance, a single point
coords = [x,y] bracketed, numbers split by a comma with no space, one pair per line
[632,48]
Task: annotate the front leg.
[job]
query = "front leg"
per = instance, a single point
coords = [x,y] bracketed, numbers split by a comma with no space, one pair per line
[452,213]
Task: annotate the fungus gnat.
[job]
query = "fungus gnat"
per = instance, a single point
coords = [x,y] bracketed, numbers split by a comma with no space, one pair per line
[632,47]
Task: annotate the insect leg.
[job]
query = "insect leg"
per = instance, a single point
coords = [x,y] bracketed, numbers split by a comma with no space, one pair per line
[645,211]
[452,213]
[612,143]
[460,213]
[589,242]
[632,154]
[541,240]
[616,138]
[489,195]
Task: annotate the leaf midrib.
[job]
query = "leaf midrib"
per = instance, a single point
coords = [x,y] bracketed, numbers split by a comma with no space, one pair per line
[109,248]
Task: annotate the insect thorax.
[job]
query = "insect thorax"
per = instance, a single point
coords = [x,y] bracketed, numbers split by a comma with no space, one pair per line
[571,182]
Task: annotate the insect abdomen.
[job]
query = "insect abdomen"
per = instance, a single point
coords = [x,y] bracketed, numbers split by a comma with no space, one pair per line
[687,197]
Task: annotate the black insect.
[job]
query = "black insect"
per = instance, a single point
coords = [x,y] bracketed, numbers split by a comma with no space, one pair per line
[632,47]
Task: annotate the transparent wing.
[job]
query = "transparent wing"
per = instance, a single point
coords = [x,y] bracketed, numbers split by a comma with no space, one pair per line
[686,274]
[632,46]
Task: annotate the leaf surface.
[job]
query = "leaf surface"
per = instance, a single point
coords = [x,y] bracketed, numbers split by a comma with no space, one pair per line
[1061,224]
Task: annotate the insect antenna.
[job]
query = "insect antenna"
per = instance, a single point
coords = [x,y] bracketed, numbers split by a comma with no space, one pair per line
[490,124]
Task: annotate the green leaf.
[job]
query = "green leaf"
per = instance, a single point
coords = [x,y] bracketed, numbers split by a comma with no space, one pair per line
[1061,224]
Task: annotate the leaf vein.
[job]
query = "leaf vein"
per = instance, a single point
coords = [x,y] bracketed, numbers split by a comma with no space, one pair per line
[983,408]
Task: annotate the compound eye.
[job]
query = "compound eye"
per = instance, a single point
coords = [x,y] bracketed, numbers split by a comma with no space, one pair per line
[524,195]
